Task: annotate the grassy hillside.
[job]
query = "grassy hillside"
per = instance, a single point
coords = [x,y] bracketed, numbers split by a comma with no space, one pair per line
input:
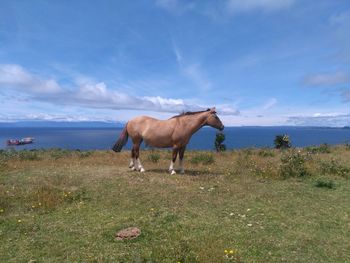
[252,205]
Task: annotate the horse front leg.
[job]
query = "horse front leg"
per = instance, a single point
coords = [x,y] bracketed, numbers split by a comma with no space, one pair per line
[181,156]
[171,168]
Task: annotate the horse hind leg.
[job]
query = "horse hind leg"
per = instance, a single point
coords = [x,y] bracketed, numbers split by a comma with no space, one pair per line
[171,168]
[132,160]
[136,158]
[181,157]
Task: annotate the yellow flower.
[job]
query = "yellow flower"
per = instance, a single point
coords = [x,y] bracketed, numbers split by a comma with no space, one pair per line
[1,210]
[33,206]
[226,251]
[19,220]
[39,203]
[231,251]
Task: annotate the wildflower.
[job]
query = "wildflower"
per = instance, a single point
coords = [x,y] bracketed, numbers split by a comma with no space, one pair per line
[33,206]
[226,251]
[39,204]
[19,221]
[249,224]
[1,210]
[231,214]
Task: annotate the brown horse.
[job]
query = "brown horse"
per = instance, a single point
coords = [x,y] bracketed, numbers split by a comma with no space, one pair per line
[174,132]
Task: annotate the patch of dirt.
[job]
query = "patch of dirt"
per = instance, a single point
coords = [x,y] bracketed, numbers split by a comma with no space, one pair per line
[128,233]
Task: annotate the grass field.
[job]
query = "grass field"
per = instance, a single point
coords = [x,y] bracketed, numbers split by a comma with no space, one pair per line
[260,205]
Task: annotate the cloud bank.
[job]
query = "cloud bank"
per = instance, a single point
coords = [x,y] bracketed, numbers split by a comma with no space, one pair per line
[321,120]
[89,94]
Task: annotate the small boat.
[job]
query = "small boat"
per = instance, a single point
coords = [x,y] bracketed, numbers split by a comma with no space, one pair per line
[22,141]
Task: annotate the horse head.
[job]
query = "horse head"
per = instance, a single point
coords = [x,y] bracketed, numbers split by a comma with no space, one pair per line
[213,120]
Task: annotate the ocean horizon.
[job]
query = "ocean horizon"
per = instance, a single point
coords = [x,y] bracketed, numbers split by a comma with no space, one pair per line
[103,138]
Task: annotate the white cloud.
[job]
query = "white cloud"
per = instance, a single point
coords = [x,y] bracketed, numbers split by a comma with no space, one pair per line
[327,79]
[88,94]
[237,6]
[321,120]
[15,76]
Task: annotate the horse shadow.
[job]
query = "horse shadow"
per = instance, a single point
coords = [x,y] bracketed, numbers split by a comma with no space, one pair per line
[189,172]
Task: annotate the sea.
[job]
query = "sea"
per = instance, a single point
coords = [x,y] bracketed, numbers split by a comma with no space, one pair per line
[235,137]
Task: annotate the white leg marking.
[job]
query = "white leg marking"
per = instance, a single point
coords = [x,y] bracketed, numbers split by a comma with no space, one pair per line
[182,170]
[131,165]
[171,167]
[140,166]
[135,167]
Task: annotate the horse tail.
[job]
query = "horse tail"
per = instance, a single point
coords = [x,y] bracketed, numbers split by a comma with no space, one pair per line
[123,138]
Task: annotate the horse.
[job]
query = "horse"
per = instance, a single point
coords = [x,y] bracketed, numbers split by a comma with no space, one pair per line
[174,132]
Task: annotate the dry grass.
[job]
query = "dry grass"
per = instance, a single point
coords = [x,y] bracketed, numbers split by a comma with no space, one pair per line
[65,206]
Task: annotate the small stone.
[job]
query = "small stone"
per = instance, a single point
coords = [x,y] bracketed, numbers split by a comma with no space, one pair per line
[128,233]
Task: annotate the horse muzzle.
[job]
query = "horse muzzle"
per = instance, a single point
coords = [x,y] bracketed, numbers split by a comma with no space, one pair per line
[222,128]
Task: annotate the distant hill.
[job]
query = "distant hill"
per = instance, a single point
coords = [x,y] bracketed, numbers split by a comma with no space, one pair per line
[62,124]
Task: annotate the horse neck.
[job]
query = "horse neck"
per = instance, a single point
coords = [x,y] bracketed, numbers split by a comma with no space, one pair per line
[195,122]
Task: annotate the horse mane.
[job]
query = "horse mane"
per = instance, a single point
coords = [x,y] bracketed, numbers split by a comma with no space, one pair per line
[188,113]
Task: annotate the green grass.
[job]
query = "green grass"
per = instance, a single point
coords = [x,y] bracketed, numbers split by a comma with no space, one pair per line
[70,205]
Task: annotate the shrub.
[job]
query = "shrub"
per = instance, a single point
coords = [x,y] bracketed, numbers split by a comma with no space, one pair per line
[204,158]
[334,168]
[154,157]
[325,184]
[282,142]
[219,139]
[293,165]
[323,148]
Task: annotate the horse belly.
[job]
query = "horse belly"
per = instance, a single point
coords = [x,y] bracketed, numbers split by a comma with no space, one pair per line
[158,140]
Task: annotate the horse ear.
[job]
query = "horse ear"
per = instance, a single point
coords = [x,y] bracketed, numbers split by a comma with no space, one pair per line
[213,110]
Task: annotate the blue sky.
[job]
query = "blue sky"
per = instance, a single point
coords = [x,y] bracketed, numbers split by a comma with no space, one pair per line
[260,62]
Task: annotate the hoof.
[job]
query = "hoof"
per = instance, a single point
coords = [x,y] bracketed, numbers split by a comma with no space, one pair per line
[142,170]
[173,172]
[133,168]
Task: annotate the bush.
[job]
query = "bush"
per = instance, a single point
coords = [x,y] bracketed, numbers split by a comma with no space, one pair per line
[282,142]
[219,139]
[325,184]
[154,157]
[334,168]
[293,165]
[204,158]
[323,148]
